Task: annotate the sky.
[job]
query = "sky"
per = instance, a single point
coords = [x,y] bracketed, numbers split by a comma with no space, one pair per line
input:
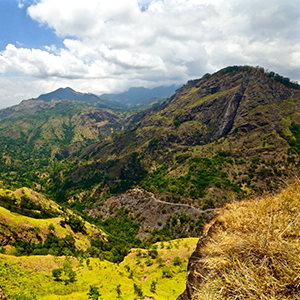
[107,46]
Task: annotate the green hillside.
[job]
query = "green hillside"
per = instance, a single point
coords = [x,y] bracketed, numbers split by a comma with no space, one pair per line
[33,138]
[102,201]
[230,134]
[158,272]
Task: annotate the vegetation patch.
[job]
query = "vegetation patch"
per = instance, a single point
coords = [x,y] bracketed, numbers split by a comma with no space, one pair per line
[50,278]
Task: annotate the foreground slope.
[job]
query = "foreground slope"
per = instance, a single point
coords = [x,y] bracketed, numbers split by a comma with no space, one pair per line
[250,251]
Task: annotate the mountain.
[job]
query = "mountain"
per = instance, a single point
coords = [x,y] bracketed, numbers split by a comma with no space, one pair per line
[225,136]
[134,97]
[68,94]
[234,132]
[37,136]
[83,185]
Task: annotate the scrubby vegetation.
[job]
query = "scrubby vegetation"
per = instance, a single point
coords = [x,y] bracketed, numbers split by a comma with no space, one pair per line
[223,137]
[49,278]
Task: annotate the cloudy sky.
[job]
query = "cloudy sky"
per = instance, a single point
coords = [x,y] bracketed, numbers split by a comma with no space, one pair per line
[102,46]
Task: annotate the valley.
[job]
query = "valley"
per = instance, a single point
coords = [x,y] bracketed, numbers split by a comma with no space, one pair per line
[100,198]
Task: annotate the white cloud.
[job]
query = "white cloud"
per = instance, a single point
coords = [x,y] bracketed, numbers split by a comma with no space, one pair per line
[39,63]
[124,43]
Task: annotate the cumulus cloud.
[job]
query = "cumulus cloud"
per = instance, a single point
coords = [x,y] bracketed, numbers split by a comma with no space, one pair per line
[126,43]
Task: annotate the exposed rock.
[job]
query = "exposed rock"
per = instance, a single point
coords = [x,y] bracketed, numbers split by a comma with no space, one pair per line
[195,271]
[153,212]
[2,296]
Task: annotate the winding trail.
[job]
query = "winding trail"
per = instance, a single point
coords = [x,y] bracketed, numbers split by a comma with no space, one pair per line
[179,204]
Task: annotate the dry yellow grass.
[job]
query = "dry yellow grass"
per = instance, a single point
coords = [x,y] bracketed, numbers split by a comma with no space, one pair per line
[253,250]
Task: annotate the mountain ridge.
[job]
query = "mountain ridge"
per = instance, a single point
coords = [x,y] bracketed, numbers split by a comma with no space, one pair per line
[197,127]
[135,96]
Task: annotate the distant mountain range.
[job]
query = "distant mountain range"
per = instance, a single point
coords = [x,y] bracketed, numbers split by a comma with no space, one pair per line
[140,96]
[137,97]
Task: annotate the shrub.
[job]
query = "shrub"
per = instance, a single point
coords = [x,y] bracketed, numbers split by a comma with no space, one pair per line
[138,290]
[176,123]
[94,293]
[177,261]
[153,286]
[57,273]
[166,273]
[118,290]
[149,262]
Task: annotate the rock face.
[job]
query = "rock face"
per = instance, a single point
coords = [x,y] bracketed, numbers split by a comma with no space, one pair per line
[195,271]
[2,296]
[153,212]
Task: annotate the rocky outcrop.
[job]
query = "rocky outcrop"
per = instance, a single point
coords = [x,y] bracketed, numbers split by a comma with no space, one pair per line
[2,296]
[196,272]
[152,213]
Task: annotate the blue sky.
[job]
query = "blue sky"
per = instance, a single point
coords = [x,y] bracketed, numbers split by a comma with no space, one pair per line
[103,46]
[18,28]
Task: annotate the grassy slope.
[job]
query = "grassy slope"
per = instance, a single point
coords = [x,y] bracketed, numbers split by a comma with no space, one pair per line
[33,274]
[31,227]
[253,250]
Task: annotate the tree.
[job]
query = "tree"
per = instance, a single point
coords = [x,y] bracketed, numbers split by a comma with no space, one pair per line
[94,293]
[51,228]
[68,270]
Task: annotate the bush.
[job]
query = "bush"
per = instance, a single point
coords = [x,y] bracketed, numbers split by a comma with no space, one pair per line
[57,273]
[138,290]
[177,261]
[166,273]
[94,293]
[149,262]
[153,286]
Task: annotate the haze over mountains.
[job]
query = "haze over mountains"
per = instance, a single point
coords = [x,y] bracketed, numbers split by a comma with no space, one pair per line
[139,96]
